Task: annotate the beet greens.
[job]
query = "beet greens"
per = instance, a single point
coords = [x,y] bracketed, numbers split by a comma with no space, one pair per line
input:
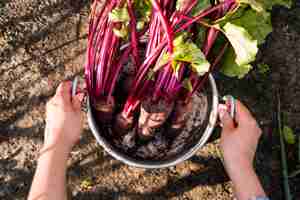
[185,41]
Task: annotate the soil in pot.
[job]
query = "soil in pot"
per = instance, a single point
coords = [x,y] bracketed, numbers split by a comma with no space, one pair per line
[163,143]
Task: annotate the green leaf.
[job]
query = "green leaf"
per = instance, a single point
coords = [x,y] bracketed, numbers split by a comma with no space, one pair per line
[187,84]
[201,35]
[258,5]
[255,4]
[263,68]
[150,74]
[288,135]
[142,11]
[219,44]
[188,52]
[180,4]
[198,8]
[140,25]
[244,46]
[164,59]
[119,15]
[176,66]
[122,33]
[258,25]
[231,68]
[86,183]
[269,4]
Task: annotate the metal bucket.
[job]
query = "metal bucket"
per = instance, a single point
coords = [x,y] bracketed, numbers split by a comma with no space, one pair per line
[150,164]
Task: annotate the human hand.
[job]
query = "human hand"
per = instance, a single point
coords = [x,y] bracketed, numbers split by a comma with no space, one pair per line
[239,138]
[63,118]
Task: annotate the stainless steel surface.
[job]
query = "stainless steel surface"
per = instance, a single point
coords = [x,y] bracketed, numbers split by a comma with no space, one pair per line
[166,163]
[74,86]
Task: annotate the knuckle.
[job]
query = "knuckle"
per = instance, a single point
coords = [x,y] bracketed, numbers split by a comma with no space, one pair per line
[59,93]
[49,103]
[253,123]
[258,130]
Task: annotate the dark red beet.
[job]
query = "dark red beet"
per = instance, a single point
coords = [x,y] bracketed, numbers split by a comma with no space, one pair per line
[104,110]
[152,116]
[181,114]
[122,124]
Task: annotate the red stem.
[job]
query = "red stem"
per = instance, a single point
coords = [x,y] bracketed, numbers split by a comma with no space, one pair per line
[200,16]
[165,25]
[110,65]
[189,6]
[134,35]
[199,85]
[116,73]
[102,64]
[210,40]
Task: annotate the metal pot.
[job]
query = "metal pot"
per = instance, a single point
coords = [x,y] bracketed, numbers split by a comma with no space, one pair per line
[149,164]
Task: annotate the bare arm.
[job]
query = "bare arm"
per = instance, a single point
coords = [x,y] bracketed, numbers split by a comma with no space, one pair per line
[50,177]
[239,144]
[63,128]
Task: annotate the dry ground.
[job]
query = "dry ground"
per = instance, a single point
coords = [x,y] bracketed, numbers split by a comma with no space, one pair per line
[43,42]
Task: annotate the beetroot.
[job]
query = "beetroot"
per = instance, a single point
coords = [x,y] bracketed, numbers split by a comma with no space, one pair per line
[104,110]
[152,116]
[181,114]
[170,44]
[122,123]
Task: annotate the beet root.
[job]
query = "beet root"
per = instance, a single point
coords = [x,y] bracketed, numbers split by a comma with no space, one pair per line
[181,114]
[122,123]
[104,110]
[152,116]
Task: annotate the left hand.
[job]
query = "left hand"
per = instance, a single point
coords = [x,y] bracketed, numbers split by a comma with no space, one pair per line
[238,143]
[63,118]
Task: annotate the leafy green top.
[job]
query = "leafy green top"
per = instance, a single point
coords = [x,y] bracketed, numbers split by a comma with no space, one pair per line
[120,15]
[246,28]
[187,52]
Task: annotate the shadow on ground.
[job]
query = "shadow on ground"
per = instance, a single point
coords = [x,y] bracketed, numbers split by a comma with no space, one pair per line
[43,43]
[211,175]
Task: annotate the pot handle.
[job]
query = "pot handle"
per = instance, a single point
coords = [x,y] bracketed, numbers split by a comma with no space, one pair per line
[230,103]
[74,87]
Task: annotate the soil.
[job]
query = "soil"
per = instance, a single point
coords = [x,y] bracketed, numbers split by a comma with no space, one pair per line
[44,42]
[163,144]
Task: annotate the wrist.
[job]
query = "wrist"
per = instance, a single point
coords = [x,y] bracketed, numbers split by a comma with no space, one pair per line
[55,140]
[245,181]
[240,163]
[56,149]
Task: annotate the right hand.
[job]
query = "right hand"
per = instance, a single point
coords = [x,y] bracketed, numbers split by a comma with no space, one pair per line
[63,118]
[239,138]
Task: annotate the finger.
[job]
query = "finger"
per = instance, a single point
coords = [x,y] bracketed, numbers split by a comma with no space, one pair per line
[243,115]
[49,104]
[77,101]
[63,92]
[225,118]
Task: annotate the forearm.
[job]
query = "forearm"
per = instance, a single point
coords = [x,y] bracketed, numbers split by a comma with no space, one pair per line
[50,177]
[245,182]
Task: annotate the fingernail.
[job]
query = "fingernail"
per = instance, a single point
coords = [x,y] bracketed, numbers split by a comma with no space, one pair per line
[222,109]
[80,96]
[221,113]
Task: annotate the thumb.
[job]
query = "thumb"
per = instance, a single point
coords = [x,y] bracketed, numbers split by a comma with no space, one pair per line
[76,100]
[225,118]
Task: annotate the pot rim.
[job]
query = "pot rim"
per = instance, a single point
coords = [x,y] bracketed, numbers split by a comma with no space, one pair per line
[158,164]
